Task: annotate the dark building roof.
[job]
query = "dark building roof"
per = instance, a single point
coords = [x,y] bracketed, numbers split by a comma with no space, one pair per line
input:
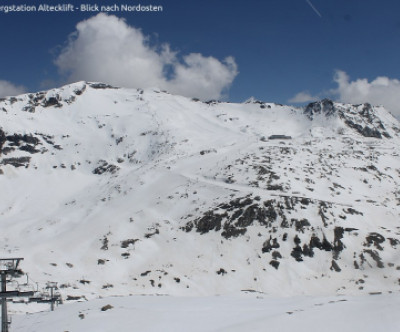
[279,137]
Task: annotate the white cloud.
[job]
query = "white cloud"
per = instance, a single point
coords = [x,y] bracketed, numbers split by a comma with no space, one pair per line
[105,48]
[303,97]
[204,77]
[381,91]
[9,89]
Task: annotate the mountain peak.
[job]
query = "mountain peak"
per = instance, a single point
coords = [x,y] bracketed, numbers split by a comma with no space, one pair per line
[365,119]
[324,106]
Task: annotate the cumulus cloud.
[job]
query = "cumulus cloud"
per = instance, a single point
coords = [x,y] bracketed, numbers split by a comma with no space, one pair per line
[9,89]
[303,97]
[380,91]
[105,48]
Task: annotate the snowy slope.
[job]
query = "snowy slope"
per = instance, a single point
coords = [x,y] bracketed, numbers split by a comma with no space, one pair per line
[114,192]
[226,313]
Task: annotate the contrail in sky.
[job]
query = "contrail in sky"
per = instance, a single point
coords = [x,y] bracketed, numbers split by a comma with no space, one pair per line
[315,9]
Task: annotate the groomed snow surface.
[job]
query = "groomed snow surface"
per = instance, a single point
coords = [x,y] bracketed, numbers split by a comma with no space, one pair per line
[244,312]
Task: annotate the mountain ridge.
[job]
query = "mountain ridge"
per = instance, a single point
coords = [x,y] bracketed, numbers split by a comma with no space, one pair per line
[118,191]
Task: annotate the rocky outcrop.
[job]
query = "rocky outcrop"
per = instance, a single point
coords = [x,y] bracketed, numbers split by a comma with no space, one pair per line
[360,118]
[325,107]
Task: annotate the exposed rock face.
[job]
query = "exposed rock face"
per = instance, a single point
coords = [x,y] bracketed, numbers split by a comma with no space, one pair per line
[101,86]
[325,107]
[105,167]
[286,215]
[365,131]
[3,139]
[361,118]
[16,162]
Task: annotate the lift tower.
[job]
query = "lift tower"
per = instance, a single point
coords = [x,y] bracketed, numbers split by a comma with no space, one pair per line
[8,270]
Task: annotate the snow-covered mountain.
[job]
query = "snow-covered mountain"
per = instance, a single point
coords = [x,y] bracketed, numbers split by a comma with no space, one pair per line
[112,191]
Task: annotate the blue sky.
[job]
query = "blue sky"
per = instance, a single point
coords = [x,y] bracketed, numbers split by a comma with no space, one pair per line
[279,48]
